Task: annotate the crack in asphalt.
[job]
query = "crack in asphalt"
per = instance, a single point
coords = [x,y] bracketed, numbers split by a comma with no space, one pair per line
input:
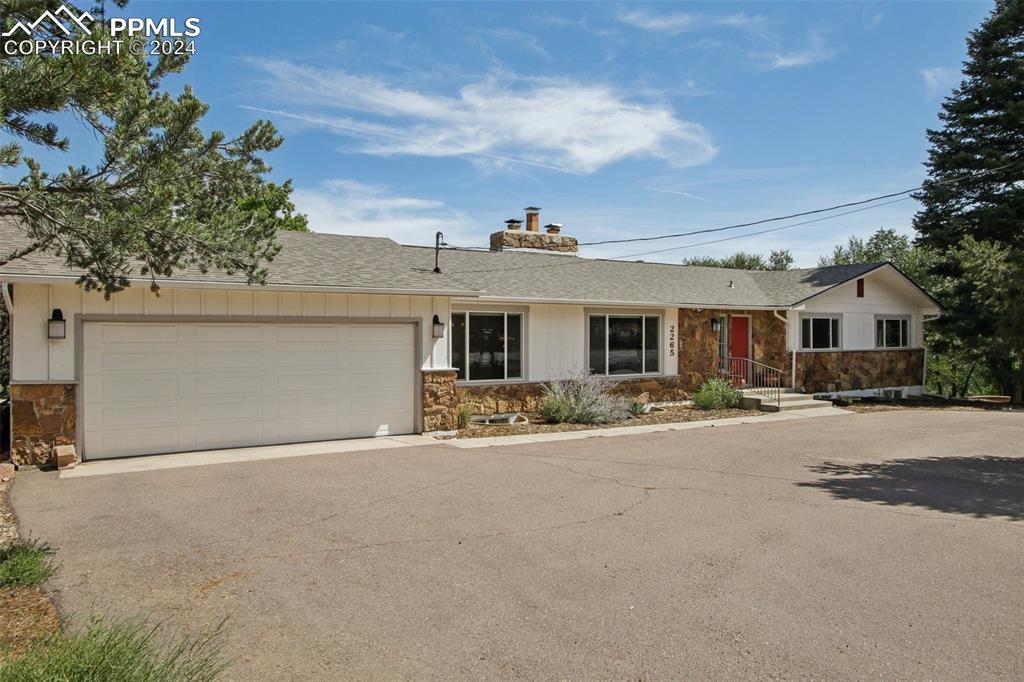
[479,536]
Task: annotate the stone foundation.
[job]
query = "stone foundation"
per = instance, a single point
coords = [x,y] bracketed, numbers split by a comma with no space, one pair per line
[525,397]
[698,343]
[43,417]
[828,372]
[439,401]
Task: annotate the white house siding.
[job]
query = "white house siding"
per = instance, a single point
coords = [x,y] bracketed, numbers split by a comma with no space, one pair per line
[884,294]
[36,359]
[556,335]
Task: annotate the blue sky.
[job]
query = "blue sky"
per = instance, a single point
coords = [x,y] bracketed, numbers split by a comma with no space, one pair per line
[618,119]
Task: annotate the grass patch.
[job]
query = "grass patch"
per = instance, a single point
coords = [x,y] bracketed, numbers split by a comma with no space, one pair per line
[25,564]
[107,650]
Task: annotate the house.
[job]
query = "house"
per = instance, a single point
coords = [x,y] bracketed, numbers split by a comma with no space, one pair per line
[358,336]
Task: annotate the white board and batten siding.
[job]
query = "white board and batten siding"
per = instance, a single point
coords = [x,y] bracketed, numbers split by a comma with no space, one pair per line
[884,294]
[556,335]
[266,367]
[38,360]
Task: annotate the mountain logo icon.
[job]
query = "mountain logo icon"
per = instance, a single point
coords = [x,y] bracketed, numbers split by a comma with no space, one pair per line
[57,19]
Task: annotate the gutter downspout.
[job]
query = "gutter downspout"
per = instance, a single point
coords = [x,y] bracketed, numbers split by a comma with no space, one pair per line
[785,321]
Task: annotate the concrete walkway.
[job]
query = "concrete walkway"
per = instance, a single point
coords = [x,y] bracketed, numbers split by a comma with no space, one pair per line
[129,465]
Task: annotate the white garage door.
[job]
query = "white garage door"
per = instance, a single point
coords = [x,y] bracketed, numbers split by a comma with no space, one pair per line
[170,387]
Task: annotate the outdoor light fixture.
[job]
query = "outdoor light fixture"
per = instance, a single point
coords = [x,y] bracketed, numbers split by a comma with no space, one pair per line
[56,328]
[438,328]
[716,325]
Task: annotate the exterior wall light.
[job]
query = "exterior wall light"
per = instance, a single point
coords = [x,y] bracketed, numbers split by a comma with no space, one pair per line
[438,328]
[56,327]
[716,324]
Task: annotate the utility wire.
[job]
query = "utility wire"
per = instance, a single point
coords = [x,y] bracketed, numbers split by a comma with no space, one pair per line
[560,261]
[793,215]
[754,234]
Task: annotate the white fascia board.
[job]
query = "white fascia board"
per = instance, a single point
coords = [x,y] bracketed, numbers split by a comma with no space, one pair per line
[198,284]
[623,304]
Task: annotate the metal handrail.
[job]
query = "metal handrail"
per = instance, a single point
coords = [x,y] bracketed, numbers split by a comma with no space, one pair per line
[753,376]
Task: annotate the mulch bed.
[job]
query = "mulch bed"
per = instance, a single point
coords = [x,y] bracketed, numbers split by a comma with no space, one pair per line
[671,414]
[26,613]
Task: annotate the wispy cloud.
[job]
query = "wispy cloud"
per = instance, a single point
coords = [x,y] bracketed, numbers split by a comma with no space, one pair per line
[553,123]
[817,51]
[674,23]
[939,80]
[343,206]
[678,192]
[523,41]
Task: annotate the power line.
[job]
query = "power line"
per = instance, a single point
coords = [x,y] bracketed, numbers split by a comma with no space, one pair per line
[560,262]
[791,215]
[754,234]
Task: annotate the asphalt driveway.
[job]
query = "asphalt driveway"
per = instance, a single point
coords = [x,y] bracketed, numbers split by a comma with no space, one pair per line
[885,545]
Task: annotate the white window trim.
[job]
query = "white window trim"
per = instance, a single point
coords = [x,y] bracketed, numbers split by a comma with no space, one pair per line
[906,341]
[522,346]
[825,316]
[643,351]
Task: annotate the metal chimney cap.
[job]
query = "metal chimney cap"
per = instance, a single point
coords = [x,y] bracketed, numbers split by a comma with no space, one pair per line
[513,220]
[532,209]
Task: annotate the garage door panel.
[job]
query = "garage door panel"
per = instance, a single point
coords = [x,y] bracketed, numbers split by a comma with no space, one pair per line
[121,442]
[137,387]
[113,333]
[227,358]
[113,414]
[216,411]
[125,361]
[306,357]
[308,382]
[227,333]
[311,333]
[226,385]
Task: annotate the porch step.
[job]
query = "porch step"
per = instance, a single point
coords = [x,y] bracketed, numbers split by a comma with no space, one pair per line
[786,401]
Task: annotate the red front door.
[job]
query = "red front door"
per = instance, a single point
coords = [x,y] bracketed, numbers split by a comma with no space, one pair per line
[739,337]
[739,349]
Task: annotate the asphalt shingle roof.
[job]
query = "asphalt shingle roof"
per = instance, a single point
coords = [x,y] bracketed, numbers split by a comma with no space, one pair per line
[328,260]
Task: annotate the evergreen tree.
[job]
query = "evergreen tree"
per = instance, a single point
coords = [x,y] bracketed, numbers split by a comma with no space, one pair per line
[973,201]
[162,196]
[741,260]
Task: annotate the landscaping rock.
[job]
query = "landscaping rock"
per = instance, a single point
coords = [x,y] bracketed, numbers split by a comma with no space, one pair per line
[65,456]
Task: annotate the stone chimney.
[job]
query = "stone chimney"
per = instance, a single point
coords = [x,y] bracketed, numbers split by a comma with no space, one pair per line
[532,238]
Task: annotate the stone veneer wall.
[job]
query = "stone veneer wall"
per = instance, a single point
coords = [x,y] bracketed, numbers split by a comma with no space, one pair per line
[698,343]
[830,371]
[43,417]
[524,397]
[521,239]
[439,400]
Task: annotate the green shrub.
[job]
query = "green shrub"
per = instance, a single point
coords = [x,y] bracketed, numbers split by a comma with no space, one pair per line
[582,399]
[463,415]
[25,563]
[636,407]
[117,651]
[716,394]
